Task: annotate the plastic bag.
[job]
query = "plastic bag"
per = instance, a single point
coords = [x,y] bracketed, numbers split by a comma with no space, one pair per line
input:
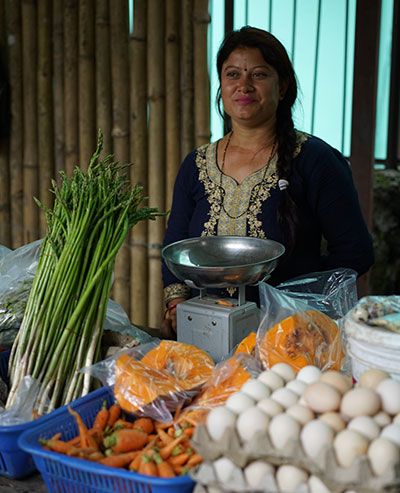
[154,379]
[302,322]
[379,311]
[17,270]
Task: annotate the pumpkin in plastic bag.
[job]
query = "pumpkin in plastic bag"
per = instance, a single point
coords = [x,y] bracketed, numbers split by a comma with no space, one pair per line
[304,338]
[247,345]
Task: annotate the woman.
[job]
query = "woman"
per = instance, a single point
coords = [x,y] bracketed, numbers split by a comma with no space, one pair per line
[264,178]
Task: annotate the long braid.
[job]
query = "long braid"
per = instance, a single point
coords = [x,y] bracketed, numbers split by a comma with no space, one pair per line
[286,135]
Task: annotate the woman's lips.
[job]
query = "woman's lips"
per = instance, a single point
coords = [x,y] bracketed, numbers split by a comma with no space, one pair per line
[244,100]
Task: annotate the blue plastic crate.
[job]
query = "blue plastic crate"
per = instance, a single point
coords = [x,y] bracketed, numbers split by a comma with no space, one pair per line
[63,474]
[14,462]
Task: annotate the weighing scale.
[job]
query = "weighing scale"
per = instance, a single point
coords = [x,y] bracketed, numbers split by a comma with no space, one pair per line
[212,323]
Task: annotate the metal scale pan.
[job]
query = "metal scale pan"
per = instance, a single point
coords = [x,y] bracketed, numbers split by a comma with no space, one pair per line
[219,262]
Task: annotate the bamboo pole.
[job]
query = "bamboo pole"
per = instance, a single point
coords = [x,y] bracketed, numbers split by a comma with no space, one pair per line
[187,125]
[30,147]
[87,133]
[45,109]
[120,133]
[16,135]
[156,96]
[172,113]
[5,226]
[103,73]
[58,86]
[138,140]
[71,84]
[201,80]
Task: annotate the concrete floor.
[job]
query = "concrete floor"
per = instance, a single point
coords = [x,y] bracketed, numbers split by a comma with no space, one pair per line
[32,484]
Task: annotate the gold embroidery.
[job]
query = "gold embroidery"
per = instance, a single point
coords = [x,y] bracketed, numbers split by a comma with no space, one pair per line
[176,290]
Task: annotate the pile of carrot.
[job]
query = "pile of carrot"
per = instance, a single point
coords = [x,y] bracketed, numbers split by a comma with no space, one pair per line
[145,446]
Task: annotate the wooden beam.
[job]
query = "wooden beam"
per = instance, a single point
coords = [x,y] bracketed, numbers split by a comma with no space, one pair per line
[366,51]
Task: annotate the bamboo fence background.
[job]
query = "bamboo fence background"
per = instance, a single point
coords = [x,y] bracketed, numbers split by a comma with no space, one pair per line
[73,66]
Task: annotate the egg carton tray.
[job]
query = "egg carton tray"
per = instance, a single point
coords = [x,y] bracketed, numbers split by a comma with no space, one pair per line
[357,477]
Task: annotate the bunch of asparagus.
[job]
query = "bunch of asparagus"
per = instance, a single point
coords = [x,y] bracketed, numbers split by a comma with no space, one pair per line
[63,322]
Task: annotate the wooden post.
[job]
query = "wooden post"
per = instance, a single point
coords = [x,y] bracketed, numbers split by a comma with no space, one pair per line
[172,107]
[58,86]
[71,101]
[156,97]
[45,109]
[87,114]
[103,73]
[120,132]
[201,79]
[138,140]
[364,106]
[15,71]
[30,146]
[187,125]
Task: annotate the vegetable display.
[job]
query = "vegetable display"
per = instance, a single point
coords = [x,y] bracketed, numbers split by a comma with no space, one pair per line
[63,322]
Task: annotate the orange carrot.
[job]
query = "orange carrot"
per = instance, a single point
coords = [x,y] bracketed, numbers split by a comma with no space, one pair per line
[188,432]
[179,460]
[164,469]
[125,440]
[145,424]
[134,465]
[151,437]
[101,419]
[122,423]
[166,451]
[57,436]
[147,466]
[119,460]
[181,470]
[77,440]
[86,439]
[95,457]
[58,446]
[195,460]
[164,437]
[113,414]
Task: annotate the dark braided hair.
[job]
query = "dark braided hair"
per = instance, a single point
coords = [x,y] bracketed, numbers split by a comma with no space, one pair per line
[274,53]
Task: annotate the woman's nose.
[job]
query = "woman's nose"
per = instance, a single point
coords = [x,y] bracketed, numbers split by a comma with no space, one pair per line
[245,83]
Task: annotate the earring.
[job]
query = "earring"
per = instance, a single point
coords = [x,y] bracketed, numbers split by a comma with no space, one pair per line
[283,184]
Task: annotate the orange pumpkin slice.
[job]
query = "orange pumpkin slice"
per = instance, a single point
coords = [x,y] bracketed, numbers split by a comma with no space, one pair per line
[247,344]
[304,338]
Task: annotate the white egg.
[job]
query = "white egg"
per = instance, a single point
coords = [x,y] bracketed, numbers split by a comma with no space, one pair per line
[370,379]
[389,390]
[382,419]
[239,402]
[392,433]
[322,397]
[255,389]
[360,401]
[300,413]
[251,422]
[256,471]
[349,445]
[341,382]
[284,397]
[365,425]
[382,454]
[271,379]
[289,478]
[297,386]
[309,374]
[396,419]
[282,429]
[315,485]
[284,370]
[315,437]
[270,407]
[218,420]
[334,420]
[224,468]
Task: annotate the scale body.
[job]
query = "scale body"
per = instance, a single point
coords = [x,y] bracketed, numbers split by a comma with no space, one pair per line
[213,324]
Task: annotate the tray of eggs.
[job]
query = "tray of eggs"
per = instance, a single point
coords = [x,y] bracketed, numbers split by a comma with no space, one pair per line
[310,432]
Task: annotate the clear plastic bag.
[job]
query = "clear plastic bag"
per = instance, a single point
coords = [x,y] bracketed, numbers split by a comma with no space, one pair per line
[155,379]
[302,322]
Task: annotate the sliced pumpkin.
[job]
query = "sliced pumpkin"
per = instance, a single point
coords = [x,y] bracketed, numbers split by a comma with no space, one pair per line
[304,338]
[247,344]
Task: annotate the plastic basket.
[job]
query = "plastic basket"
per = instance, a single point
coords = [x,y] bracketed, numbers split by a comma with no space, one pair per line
[63,474]
[14,462]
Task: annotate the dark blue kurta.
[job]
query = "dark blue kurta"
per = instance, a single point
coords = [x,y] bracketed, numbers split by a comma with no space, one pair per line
[322,187]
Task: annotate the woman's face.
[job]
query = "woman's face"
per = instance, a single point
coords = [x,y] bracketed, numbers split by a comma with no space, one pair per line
[250,88]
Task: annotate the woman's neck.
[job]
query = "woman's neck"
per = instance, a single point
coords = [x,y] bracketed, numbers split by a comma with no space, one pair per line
[253,138]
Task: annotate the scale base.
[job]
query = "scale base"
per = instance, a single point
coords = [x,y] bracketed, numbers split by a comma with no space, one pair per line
[214,327]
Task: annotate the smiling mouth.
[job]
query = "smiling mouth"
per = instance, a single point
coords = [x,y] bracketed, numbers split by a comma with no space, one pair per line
[244,101]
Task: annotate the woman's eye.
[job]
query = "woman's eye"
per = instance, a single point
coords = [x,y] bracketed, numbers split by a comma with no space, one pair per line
[232,74]
[259,75]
